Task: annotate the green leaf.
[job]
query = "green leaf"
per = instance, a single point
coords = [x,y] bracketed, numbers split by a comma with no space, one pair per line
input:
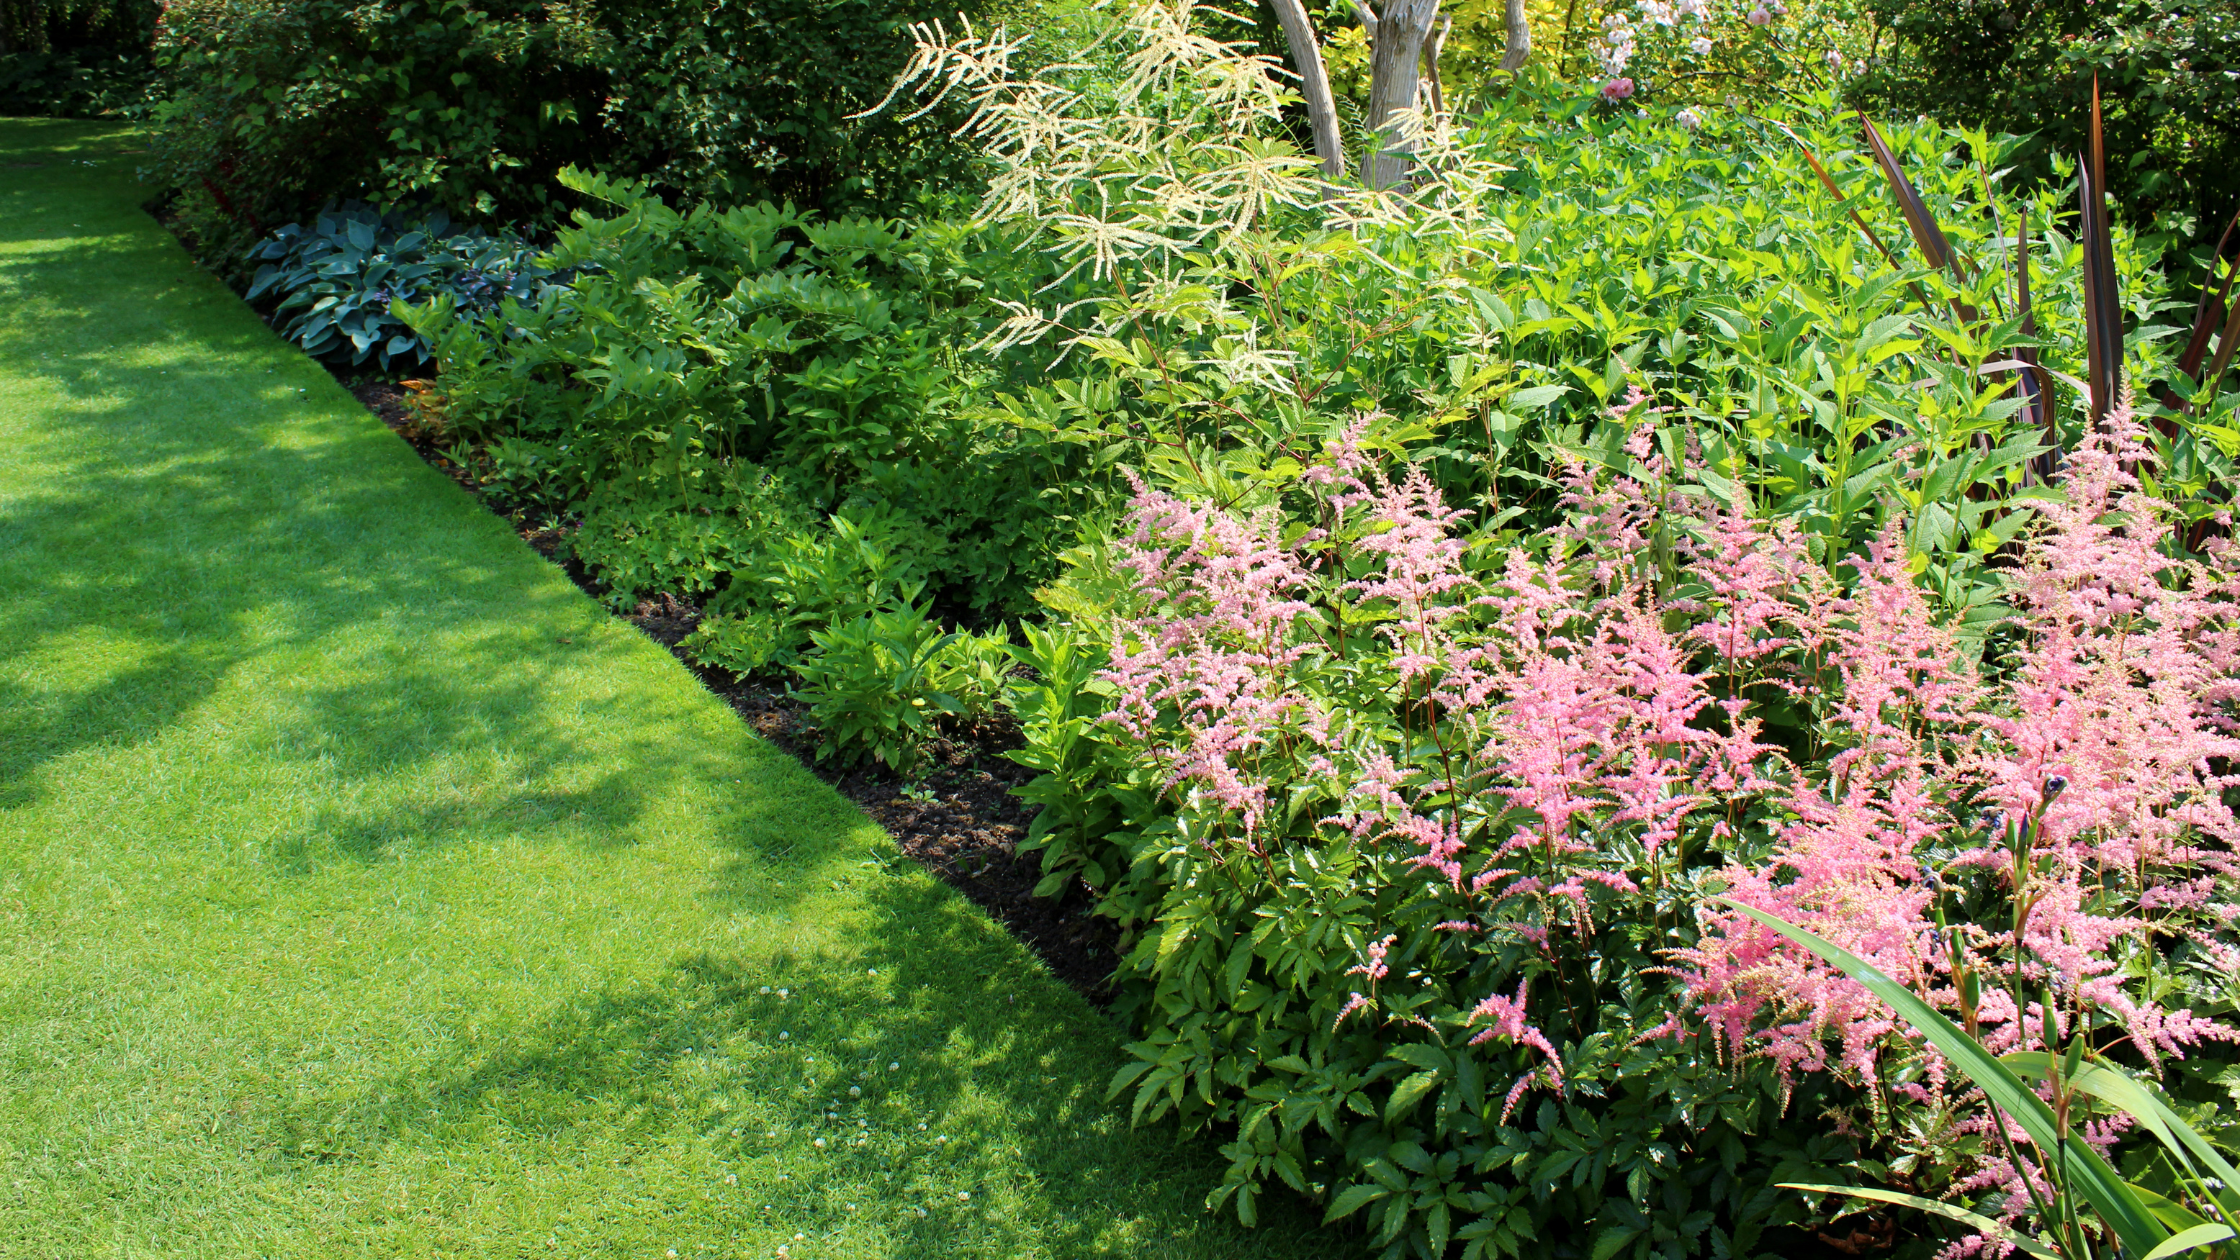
[1974,1220]
[2198,1236]
[1410,1092]
[1612,1241]
[2090,1174]
[1536,396]
[1411,1157]
[1353,1200]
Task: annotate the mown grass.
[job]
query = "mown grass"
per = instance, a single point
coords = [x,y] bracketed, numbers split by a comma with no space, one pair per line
[365,891]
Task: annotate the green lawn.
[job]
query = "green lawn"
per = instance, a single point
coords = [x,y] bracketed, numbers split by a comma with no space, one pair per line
[366,891]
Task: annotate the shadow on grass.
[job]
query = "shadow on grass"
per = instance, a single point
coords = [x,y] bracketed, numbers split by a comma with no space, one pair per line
[211,529]
[669,1061]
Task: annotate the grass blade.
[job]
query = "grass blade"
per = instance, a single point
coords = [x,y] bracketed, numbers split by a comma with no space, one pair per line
[1974,1220]
[2090,1174]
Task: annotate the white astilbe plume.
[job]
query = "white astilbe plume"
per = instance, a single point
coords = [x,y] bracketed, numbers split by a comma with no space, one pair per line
[1178,154]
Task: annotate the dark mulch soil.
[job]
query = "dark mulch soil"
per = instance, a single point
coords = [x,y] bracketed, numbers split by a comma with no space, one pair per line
[958,819]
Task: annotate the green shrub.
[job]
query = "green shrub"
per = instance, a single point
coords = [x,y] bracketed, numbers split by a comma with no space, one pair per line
[84,84]
[268,108]
[687,536]
[835,355]
[797,583]
[879,685]
[75,58]
[2169,78]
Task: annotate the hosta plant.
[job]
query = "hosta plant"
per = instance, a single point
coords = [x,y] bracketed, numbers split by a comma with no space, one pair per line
[337,279]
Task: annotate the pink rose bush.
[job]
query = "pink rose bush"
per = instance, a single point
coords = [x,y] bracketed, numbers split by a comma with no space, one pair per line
[1412,827]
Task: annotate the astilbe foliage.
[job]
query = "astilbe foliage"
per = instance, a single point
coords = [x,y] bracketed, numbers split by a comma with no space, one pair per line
[2042,824]
[1438,817]
[1433,816]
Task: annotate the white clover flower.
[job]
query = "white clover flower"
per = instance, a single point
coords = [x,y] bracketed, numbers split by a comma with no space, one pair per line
[894,1067]
[855,1091]
[766,988]
[819,1144]
[963,1195]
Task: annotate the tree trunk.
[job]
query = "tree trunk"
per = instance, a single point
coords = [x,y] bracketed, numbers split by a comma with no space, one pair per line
[1395,64]
[1314,85]
[1520,37]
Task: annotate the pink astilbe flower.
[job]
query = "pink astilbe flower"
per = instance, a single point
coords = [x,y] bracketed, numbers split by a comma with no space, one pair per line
[1509,760]
[1217,647]
[1567,730]
[2076,780]
[1509,1023]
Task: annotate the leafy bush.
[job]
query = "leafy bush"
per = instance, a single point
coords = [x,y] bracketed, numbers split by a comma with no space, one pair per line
[83,84]
[1718,55]
[75,58]
[338,279]
[2168,74]
[831,356]
[1239,312]
[267,108]
[879,685]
